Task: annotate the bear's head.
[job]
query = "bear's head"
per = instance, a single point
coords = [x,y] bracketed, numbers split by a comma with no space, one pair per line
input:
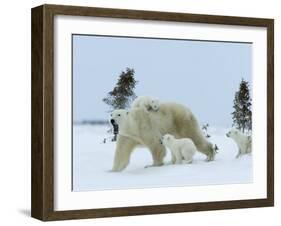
[167,139]
[154,104]
[117,119]
[233,133]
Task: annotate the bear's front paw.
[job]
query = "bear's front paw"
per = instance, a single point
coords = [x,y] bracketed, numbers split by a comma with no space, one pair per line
[154,165]
[148,166]
[238,156]
[208,159]
[170,163]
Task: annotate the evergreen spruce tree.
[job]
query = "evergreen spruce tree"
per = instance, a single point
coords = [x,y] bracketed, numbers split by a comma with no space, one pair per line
[242,114]
[123,93]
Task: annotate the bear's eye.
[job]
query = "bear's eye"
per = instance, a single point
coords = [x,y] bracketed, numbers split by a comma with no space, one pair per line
[119,115]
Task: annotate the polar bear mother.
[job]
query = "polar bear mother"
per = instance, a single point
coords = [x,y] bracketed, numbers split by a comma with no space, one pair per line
[138,127]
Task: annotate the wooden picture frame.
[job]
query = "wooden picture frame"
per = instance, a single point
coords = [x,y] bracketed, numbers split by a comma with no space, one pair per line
[42,203]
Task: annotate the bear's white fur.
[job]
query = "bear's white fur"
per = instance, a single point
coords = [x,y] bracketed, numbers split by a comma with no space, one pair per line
[183,148]
[136,127]
[243,141]
[147,103]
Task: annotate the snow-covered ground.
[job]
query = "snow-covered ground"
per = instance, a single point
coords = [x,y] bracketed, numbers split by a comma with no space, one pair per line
[92,162]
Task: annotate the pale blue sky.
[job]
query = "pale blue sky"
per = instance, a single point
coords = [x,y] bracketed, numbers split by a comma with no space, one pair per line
[199,74]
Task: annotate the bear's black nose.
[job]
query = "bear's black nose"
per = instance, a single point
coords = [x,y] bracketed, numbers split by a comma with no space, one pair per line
[112,121]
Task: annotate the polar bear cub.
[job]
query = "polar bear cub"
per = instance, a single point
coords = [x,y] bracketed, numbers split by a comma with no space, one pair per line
[183,148]
[243,141]
[147,103]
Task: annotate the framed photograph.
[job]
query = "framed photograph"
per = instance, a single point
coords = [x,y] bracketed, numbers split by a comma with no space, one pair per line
[142,112]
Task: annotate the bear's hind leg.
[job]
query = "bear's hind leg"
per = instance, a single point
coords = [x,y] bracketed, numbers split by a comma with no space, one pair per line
[188,157]
[158,153]
[124,148]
